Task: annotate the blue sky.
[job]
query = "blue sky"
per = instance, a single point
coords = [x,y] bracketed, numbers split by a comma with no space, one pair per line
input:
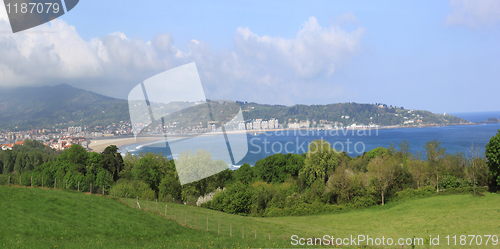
[433,55]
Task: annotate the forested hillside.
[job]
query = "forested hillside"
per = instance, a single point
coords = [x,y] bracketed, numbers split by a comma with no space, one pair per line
[347,113]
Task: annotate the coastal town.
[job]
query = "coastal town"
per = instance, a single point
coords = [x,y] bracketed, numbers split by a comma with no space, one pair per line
[62,138]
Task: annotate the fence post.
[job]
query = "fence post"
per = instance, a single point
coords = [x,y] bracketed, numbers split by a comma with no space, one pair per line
[185,218]
[19,180]
[156,205]
[102,190]
[114,192]
[243,232]
[66,183]
[207,223]
[255,233]
[218,227]
[196,221]
[147,206]
[91,188]
[55,179]
[175,216]
[269,237]
[166,206]
[31,181]
[42,181]
[230,230]
[8,183]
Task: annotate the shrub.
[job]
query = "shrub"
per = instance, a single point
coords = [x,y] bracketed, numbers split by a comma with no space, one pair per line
[208,197]
[133,188]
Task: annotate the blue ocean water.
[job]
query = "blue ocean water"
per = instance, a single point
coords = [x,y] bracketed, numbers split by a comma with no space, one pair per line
[457,138]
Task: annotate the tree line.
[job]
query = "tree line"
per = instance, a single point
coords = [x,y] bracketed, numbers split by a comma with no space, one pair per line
[319,181]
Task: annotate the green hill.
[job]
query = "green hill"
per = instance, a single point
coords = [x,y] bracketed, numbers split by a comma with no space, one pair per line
[347,114]
[44,218]
[440,215]
[43,107]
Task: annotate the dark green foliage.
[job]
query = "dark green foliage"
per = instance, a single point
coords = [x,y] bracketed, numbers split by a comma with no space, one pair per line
[236,199]
[276,168]
[244,174]
[493,155]
[112,161]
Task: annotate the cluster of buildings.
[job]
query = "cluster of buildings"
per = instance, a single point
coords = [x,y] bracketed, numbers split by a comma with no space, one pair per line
[57,144]
[63,138]
[259,124]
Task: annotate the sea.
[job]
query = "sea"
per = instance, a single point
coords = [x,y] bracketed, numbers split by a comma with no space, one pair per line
[456,138]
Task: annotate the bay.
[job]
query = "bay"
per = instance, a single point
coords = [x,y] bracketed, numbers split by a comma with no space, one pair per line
[458,138]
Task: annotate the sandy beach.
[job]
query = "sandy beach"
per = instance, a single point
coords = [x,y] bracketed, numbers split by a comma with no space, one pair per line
[98,145]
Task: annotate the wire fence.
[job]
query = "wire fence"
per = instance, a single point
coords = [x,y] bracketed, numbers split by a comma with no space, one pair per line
[214,222]
[45,182]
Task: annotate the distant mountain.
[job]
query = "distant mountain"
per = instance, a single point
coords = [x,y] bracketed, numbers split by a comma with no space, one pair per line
[37,107]
[64,105]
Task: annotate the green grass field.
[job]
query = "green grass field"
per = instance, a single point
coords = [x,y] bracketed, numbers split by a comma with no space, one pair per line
[44,218]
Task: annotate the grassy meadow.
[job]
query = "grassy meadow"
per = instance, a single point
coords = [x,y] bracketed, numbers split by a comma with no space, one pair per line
[46,218]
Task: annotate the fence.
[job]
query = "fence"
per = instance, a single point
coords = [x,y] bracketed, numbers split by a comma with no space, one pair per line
[44,182]
[206,220]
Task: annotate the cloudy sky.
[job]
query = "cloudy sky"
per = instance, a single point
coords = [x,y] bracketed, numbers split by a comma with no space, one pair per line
[433,55]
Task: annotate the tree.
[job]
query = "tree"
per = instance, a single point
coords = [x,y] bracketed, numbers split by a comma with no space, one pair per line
[341,182]
[244,174]
[112,161]
[434,155]
[8,162]
[404,149]
[493,155]
[149,171]
[474,160]
[320,162]
[382,171]
[418,170]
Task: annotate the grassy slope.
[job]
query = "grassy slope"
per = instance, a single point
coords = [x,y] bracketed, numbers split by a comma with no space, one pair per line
[46,218]
[440,215]
[42,218]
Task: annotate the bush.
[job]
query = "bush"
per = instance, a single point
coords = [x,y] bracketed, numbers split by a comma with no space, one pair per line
[464,190]
[429,191]
[133,189]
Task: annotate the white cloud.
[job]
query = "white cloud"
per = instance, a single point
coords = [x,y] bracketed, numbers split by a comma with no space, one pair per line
[347,18]
[260,68]
[474,13]
[3,12]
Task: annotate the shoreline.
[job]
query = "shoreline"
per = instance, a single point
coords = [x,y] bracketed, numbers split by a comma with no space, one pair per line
[98,145]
